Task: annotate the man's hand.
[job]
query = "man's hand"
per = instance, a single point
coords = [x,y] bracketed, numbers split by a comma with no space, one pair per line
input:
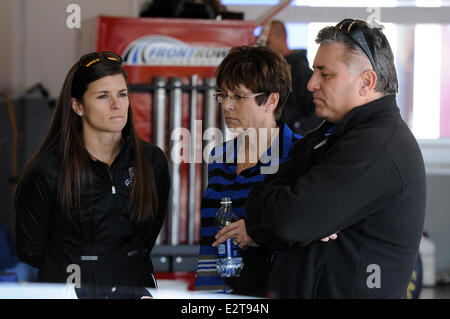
[332,236]
[237,231]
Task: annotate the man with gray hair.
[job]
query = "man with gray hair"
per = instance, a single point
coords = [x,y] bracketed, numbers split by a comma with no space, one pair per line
[360,174]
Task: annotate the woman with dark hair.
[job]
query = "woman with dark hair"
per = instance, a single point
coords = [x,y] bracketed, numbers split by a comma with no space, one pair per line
[254,83]
[94,196]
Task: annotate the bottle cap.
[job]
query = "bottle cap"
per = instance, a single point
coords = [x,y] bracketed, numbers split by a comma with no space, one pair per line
[226,200]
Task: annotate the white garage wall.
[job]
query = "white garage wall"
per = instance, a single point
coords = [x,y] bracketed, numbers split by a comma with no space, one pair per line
[43,45]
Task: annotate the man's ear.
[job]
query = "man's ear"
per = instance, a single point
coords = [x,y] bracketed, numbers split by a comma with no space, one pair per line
[77,107]
[369,82]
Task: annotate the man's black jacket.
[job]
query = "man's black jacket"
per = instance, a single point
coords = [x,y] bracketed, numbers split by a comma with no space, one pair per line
[366,181]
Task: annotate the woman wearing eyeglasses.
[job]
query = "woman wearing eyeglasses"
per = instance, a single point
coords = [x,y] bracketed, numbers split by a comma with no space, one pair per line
[92,200]
[254,83]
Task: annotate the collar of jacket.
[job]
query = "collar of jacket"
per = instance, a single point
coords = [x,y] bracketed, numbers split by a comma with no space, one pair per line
[365,112]
[125,153]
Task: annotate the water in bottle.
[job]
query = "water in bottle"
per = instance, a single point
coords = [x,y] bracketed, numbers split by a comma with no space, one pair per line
[229,259]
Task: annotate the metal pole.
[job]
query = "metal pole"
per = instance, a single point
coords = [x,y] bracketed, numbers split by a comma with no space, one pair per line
[159,112]
[192,162]
[175,122]
[159,124]
[209,120]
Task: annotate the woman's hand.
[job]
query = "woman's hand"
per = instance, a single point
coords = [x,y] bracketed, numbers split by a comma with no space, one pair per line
[237,231]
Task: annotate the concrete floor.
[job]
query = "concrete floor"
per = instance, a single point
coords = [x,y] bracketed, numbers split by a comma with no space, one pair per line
[437,292]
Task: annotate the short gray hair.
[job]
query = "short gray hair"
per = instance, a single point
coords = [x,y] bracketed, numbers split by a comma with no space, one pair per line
[387,82]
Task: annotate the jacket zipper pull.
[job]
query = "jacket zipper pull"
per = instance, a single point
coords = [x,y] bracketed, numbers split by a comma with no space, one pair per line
[113,190]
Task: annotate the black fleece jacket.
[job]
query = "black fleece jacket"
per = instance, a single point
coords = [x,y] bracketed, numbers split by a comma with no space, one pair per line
[102,241]
[367,181]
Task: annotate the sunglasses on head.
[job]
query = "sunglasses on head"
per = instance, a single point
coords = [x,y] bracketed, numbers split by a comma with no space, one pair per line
[91,59]
[354,31]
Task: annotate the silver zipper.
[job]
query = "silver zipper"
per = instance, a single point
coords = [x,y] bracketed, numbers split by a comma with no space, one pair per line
[113,188]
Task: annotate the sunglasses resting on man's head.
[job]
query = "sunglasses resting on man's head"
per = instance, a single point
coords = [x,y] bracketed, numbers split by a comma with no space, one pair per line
[354,31]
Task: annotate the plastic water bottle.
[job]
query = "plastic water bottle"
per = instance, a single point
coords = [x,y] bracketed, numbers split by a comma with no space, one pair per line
[229,259]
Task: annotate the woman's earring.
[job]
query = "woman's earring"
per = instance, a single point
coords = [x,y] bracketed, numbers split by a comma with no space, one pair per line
[80,114]
[267,110]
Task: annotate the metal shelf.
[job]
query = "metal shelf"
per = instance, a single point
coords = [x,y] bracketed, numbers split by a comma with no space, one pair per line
[168,258]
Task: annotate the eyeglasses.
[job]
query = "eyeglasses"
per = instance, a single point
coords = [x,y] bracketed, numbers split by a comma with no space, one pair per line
[90,59]
[238,98]
[351,28]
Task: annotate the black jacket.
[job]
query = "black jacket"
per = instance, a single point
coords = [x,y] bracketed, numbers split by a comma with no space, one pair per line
[102,241]
[368,182]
